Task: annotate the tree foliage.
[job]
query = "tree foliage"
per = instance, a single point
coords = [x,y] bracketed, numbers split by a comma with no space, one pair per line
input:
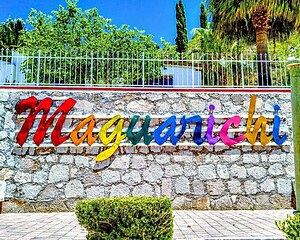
[71,33]
[203,17]
[10,32]
[75,29]
[205,41]
[181,39]
[254,20]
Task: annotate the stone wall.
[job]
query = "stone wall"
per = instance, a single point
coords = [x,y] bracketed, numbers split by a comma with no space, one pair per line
[197,177]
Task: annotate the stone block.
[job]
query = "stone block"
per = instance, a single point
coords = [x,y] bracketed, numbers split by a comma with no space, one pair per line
[223,203]
[290,171]
[182,185]
[166,187]
[202,203]
[132,177]
[67,159]
[31,191]
[138,162]
[3,135]
[4,96]
[82,161]
[207,172]
[50,192]
[173,170]
[279,201]
[5,146]
[153,173]
[40,177]
[198,188]
[234,187]
[162,159]
[8,122]
[2,159]
[121,162]
[188,159]
[222,171]
[215,188]
[143,190]
[144,150]
[110,177]
[11,190]
[211,159]
[284,186]
[181,203]
[59,173]
[263,202]
[250,187]
[74,189]
[274,158]
[95,192]
[142,106]
[22,177]
[119,190]
[190,170]
[276,169]
[52,158]
[62,150]
[29,164]
[252,158]
[179,107]
[257,172]
[268,185]
[244,203]
[238,171]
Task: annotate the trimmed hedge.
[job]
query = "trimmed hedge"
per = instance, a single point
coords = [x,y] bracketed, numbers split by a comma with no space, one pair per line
[126,218]
[290,226]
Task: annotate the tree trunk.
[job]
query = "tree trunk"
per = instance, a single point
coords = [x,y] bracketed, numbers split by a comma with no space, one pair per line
[263,65]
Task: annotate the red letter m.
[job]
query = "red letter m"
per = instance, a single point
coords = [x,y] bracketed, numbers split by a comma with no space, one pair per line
[44,105]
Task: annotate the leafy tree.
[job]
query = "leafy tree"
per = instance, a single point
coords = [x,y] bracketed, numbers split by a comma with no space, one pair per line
[10,32]
[167,49]
[288,48]
[254,20]
[181,39]
[203,17]
[79,41]
[205,41]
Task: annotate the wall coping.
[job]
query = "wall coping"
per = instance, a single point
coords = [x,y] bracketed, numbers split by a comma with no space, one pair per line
[146,89]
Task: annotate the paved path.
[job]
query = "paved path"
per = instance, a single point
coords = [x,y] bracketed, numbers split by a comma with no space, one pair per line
[188,225]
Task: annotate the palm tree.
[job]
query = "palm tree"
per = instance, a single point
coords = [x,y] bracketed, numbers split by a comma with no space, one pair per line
[256,19]
[10,32]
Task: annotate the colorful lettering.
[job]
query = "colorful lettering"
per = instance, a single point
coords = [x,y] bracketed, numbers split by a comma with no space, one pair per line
[260,124]
[198,139]
[277,139]
[235,121]
[144,132]
[88,133]
[116,134]
[44,105]
[210,125]
[171,124]
[168,130]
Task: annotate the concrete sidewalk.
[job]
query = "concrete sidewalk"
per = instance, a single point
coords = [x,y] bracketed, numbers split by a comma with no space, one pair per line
[188,225]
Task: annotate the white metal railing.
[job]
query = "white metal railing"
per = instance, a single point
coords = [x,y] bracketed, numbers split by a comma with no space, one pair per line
[120,69]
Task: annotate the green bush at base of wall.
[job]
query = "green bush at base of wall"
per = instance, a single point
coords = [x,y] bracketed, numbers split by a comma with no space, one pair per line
[290,226]
[126,218]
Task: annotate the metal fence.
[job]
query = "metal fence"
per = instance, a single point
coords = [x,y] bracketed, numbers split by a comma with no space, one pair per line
[120,69]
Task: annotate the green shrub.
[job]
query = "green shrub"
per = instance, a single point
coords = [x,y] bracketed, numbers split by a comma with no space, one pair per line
[126,218]
[290,226]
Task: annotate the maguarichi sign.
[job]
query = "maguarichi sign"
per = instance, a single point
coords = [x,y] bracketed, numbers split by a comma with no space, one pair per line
[166,131]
